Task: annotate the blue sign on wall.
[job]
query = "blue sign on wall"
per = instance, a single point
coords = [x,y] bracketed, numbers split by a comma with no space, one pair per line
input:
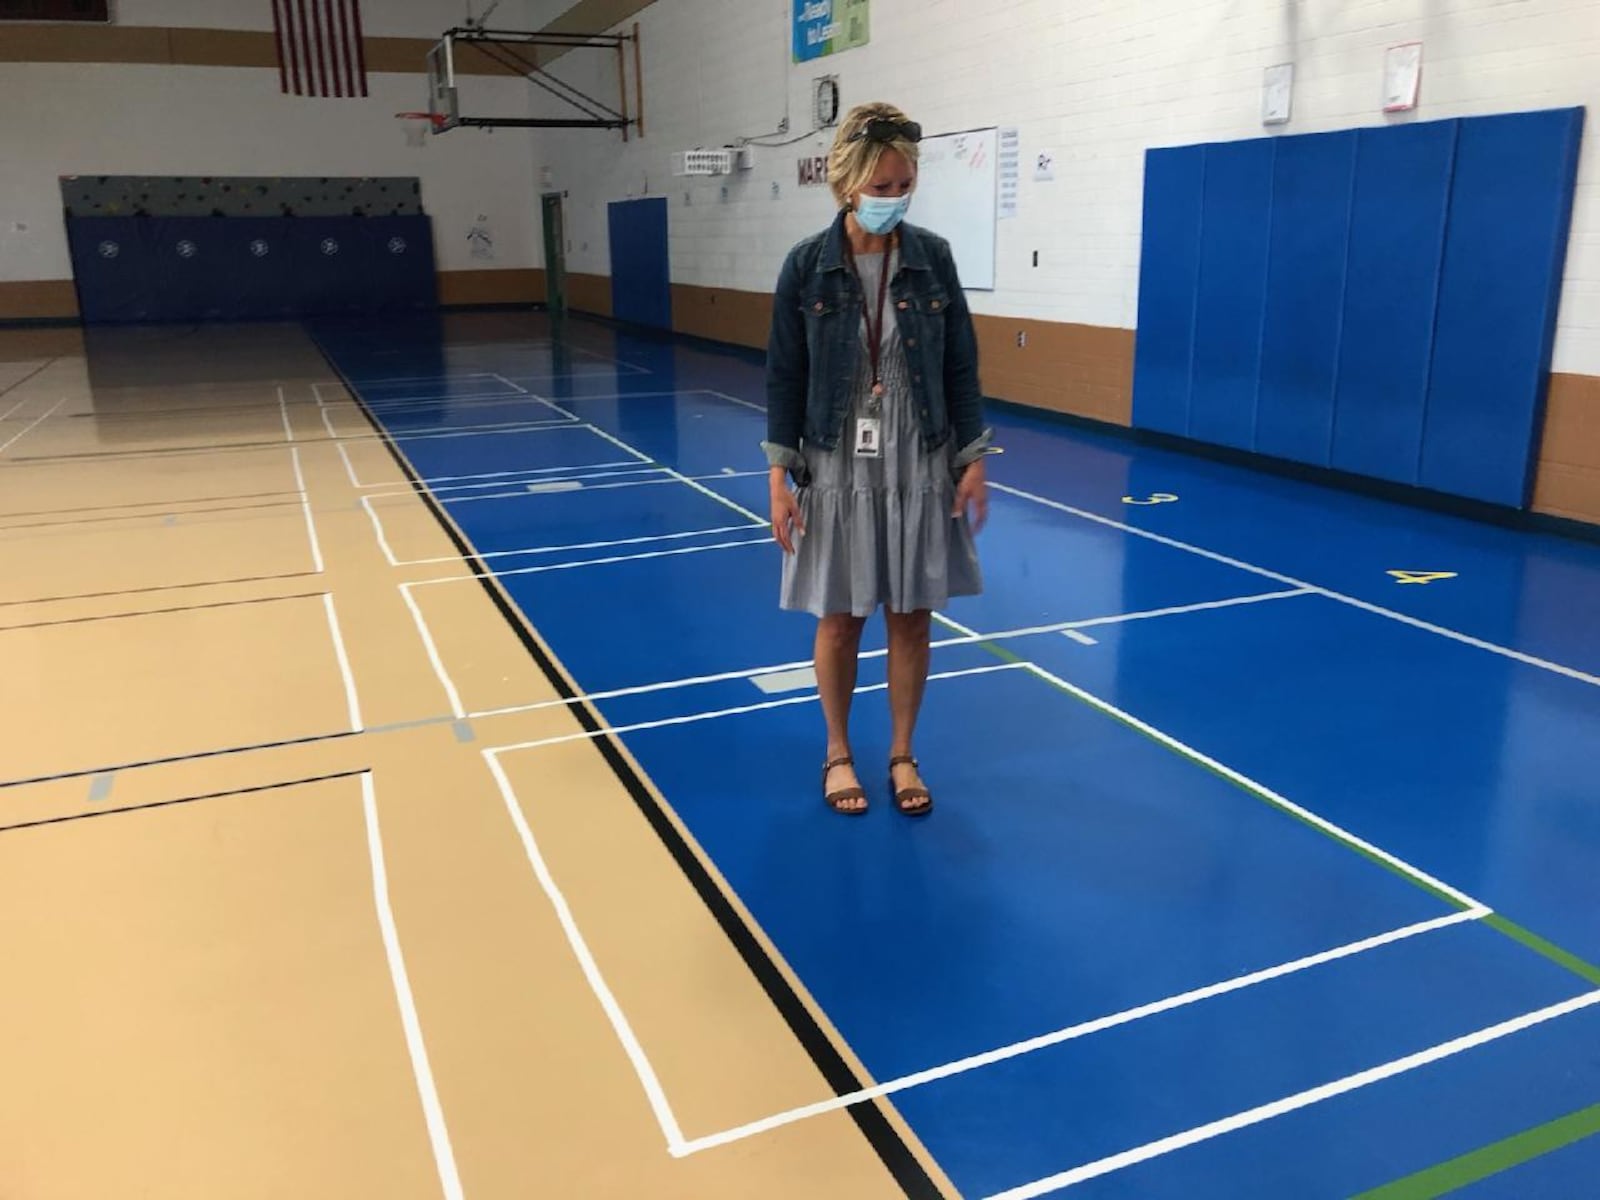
[823,27]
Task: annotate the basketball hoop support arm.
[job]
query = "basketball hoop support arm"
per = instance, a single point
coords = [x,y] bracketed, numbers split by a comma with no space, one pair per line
[506,48]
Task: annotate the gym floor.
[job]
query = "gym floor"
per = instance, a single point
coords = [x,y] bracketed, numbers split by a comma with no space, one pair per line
[410,788]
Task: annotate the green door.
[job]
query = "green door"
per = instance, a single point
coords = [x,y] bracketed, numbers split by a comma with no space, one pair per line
[555,255]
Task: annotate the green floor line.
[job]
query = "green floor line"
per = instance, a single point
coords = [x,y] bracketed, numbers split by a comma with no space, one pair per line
[1523,937]
[1540,946]
[1010,656]
[1491,1159]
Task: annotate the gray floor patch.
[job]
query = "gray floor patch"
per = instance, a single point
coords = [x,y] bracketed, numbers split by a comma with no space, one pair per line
[786,681]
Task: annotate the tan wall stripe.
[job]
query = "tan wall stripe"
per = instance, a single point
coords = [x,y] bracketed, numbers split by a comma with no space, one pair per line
[1081,370]
[206,48]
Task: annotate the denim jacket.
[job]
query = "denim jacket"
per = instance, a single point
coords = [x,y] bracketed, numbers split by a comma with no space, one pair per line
[815,344]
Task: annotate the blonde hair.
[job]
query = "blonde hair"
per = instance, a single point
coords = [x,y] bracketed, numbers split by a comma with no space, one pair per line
[851,165]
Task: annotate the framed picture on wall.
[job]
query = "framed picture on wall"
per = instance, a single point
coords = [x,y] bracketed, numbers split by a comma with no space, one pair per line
[1402,77]
[1277,94]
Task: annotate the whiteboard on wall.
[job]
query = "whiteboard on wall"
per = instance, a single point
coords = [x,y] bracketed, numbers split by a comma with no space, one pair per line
[957,181]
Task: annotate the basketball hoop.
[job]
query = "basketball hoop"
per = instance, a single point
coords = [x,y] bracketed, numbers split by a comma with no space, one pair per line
[418,125]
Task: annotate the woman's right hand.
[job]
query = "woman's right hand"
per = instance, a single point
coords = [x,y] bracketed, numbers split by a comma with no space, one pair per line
[786,518]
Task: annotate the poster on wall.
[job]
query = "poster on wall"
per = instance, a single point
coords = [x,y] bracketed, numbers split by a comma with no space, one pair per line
[1402,77]
[1010,172]
[824,27]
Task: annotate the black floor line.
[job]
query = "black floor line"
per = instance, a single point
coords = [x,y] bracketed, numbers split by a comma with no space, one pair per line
[132,808]
[164,587]
[874,1124]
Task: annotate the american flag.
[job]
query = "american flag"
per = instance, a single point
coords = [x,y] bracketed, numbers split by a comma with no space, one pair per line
[319,47]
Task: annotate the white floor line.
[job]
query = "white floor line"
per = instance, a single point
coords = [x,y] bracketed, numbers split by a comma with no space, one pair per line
[1074,1032]
[31,426]
[592,562]
[580,949]
[283,408]
[446,377]
[554,407]
[571,470]
[440,432]
[940,644]
[632,395]
[6,416]
[433,1112]
[1340,597]
[631,470]
[349,468]
[467,431]
[305,507]
[401,404]
[437,431]
[1151,614]
[513,386]
[432,483]
[377,528]
[607,486]
[456,709]
[760,408]
[739,710]
[351,700]
[634,541]
[1299,1100]
[618,368]
[757,518]
[1240,779]
[1083,639]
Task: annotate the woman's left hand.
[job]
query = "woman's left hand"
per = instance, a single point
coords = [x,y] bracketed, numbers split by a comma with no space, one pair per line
[972,496]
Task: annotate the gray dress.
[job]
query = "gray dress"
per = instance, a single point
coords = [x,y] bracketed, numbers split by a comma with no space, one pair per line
[879,531]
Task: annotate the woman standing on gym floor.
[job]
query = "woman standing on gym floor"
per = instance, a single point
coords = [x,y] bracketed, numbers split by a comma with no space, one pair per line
[874,411]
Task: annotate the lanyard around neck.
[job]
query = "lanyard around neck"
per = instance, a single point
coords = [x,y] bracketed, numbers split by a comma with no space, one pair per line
[874,328]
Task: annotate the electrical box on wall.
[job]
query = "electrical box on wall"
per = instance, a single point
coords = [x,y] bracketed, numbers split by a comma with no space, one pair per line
[745,158]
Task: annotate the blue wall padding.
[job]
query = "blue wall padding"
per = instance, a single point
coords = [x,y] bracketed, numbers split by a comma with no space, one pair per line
[1380,301]
[1510,207]
[242,268]
[1396,241]
[1173,181]
[1232,291]
[641,282]
[1311,189]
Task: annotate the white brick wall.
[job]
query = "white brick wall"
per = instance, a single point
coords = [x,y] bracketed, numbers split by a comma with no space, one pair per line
[124,119]
[120,119]
[1096,81]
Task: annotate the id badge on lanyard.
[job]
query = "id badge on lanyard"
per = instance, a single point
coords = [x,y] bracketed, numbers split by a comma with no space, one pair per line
[869,430]
[869,437]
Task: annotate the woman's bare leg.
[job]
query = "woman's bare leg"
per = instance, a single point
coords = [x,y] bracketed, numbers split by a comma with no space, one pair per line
[908,679]
[837,649]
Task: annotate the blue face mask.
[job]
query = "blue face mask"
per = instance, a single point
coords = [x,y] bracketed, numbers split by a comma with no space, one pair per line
[880,214]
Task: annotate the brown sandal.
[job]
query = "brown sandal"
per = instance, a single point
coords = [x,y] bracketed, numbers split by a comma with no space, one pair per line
[834,799]
[903,797]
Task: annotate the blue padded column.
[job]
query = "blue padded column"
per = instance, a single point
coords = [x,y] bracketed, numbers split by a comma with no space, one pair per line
[1312,180]
[1397,225]
[1504,257]
[1169,264]
[1232,292]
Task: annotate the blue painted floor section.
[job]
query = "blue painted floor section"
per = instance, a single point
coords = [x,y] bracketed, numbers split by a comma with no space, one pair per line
[1102,840]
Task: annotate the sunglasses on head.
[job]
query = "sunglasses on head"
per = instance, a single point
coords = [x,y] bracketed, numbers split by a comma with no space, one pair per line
[882,129]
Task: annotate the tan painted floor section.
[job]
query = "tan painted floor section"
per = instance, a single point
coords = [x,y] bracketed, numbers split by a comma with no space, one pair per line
[199,1001]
